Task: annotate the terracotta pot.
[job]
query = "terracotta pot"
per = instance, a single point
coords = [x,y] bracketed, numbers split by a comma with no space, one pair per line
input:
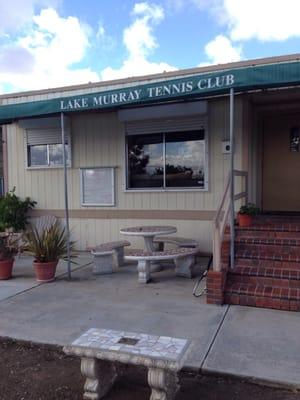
[6,267]
[245,220]
[45,272]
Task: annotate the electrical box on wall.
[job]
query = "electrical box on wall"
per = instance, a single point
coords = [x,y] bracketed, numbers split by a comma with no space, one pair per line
[226,148]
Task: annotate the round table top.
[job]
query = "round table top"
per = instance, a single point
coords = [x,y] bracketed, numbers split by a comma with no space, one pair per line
[149,230]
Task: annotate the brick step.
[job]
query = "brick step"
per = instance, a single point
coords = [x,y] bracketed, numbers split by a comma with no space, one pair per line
[267,241]
[277,227]
[278,298]
[263,290]
[267,255]
[269,249]
[276,278]
[266,264]
[267,234]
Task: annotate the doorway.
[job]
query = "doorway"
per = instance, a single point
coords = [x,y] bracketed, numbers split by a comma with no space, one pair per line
[281,164]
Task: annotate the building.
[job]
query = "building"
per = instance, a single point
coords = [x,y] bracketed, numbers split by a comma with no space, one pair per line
[156,149]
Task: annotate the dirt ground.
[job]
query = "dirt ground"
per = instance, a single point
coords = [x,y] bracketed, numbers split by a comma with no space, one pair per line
[34,372]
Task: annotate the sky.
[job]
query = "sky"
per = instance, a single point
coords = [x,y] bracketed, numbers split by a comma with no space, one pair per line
[52,43]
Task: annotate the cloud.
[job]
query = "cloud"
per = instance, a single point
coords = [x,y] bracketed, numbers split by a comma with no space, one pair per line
[264,20]
[45,56]
[220,50]
[14,14]
[140,42]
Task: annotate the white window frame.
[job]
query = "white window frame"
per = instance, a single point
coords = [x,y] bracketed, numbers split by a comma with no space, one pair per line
[171,189]
[48,166]
[41,124]
[113,181]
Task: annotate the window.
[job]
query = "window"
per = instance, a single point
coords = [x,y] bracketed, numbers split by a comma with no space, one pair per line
[166,160]
[46,155]
[97,186]
[44,142]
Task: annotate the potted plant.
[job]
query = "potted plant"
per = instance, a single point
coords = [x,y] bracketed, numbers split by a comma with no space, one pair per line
[246,214]
[8,249]
[47,246]
[13,211]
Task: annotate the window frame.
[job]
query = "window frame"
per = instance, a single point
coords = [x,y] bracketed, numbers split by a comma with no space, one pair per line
[48,166]
[169,189]
[113,176]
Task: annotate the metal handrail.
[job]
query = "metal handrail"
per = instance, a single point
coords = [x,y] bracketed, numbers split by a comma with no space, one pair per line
[222,217]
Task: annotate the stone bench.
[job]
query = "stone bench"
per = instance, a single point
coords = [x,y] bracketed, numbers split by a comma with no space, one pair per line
[101,349]
[184,259]
[104,256]
[178,241]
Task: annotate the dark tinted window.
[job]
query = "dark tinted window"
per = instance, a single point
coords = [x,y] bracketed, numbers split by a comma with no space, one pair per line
[145,161]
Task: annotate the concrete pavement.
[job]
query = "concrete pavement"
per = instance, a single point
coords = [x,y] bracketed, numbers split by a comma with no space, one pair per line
[241,341]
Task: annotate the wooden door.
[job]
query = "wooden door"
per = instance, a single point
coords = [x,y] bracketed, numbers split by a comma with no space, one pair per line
[281,163]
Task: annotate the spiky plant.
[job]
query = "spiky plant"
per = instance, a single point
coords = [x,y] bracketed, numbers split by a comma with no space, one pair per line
[49,244]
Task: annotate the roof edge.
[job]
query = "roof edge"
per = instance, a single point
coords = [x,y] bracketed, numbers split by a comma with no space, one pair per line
[171,74]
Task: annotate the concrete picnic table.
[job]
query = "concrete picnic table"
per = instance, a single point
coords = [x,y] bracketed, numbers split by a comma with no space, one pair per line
[149,233]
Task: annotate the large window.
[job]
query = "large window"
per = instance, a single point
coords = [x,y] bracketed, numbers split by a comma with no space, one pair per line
[166,160]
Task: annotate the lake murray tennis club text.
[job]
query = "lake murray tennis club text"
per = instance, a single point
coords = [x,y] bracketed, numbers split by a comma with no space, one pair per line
[131,95]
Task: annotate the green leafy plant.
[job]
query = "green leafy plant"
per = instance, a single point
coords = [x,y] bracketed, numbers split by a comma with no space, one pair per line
[49,244]
[9,247]
[249,209]
[13,211]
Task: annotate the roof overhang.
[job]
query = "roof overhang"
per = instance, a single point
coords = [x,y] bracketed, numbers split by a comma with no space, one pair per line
[282,74]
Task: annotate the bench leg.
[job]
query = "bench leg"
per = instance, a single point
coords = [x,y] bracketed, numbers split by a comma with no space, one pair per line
[144,271]
[164,384]
[103,264]
[100,376]
[120,256]
[183,266]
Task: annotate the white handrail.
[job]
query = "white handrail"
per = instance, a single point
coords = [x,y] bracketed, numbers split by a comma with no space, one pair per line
[222,215]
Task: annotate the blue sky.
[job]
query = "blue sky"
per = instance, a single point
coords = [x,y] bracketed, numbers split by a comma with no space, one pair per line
[49,43]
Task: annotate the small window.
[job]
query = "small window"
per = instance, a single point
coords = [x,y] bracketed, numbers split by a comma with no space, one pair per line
[97,186]
[44,141]
[166,160]
[46,155]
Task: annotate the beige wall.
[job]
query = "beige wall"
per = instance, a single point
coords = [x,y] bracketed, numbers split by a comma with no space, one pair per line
[98,140]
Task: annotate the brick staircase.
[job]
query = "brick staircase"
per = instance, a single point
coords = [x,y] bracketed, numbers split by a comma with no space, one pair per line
[267,265]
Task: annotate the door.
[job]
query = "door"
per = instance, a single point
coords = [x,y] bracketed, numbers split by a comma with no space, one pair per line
[281,163]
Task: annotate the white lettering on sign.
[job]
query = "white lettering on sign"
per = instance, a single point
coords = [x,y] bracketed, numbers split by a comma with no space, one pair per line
[216,82]
[158,91]
[116,98]
[74,104]
[172,89]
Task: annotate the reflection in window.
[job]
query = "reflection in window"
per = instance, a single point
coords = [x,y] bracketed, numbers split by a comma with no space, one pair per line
[185,159]
[46,155]
[167,160]
[37,155]
[145,161]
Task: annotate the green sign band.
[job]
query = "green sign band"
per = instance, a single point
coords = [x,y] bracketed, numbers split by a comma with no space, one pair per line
[242,79]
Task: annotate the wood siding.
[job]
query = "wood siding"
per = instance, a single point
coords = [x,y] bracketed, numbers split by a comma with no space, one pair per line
[98,140]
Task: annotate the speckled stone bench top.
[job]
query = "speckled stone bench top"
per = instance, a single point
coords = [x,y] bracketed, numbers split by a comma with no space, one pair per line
[110,246]
[130,347]
[179,240]
[136,254]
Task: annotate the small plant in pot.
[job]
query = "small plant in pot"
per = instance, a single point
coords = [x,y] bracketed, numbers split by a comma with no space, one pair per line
[8,250]
[47,246]
[246,214]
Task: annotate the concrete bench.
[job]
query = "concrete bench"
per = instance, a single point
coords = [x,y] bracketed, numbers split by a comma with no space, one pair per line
[104,256]
[101,349]
[184,259]
[178,241]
